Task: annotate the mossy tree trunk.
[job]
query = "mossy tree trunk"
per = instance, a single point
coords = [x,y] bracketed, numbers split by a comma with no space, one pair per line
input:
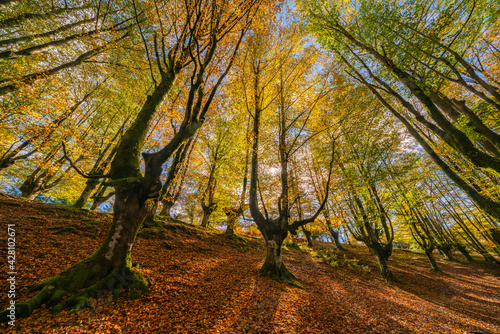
[432,260]
[109,269]
[382,254]
[273,266]
[113,256]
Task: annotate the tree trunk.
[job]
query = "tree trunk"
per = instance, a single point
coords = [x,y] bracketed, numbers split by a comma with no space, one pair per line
[464,252]
[487,205]
[494,234]
[449,255]
[206,216]
[382,254]
[308,237]
[336,240]
[335,235]
[230,226]
[84,196]
[98,168]
[31,187]
[98,201]
[129,212]
[446,250]
[207,212]
[109,269]
[40,180]
[166,208]
[99,197]
[432,260]
[232,215]
[132,186]
[273,266]
[151,212]
[487,256]
[384,268]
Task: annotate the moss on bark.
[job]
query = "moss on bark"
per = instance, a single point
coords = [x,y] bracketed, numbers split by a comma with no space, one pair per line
[80,283]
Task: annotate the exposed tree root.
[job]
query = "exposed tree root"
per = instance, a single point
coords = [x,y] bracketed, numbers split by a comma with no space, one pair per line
[74,287]
[281,274]
[437,270]
[390,277]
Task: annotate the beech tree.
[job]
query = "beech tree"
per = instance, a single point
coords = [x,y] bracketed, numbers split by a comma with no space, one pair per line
[374,122]
[286,67]
[423,63]
[88,23]
[370,221]
[203,39]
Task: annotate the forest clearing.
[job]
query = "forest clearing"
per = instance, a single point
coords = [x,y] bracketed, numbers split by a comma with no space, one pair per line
[250,166]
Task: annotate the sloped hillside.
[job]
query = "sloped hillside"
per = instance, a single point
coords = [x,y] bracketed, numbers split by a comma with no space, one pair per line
[205,282]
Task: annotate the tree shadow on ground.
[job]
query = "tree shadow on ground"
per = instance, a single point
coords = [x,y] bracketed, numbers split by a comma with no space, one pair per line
[427,303]
[258,315]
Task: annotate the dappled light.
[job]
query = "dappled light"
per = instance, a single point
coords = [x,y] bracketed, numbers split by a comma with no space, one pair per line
[250,166]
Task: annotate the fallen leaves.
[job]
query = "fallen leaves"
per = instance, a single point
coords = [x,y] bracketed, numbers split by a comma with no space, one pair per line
[204,284]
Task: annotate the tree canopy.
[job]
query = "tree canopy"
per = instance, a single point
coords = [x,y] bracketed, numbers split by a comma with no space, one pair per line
[354,122]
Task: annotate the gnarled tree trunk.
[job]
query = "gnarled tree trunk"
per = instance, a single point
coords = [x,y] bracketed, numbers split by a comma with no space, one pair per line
[273,266]
[232,215]
[382,254]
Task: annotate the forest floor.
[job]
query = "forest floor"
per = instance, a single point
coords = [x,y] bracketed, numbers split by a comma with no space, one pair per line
[205,282]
